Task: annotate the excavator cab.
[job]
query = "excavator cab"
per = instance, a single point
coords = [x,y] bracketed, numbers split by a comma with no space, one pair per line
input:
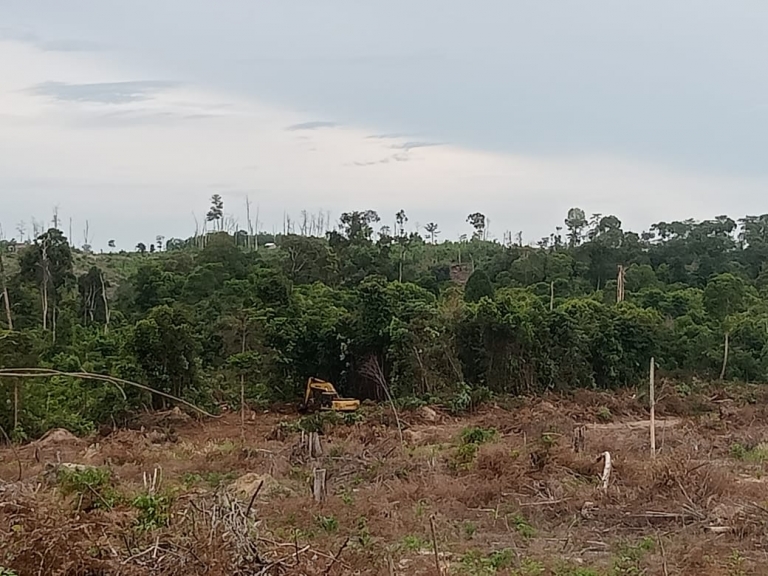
[321,395]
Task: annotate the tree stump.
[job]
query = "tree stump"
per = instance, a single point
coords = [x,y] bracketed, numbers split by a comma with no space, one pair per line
[318,489]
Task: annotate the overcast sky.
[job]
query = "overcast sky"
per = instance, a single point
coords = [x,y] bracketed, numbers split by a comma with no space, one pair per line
[131,114]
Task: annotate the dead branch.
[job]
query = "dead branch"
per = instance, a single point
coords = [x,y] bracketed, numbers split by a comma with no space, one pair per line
[117,382]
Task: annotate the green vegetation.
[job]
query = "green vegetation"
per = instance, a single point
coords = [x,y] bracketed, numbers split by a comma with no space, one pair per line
[154,511]
[202,315]
[476,435]
[756,454]
[91,486]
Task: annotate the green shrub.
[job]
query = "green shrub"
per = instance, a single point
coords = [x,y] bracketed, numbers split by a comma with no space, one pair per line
[154,511]
[92,485]
[477,435]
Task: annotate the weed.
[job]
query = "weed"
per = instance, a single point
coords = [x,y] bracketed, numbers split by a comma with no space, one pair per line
[154,511]
[629,558]
[92,485]
[413,543]
[604,414]
[421,507]
[461,401]
[463,457]
[530,567]
[350,418]
[346,497]
[475,563]
[469,530]
[328,523]
[213,479]
[363,534]
[756,454]
[522,526]
[477,435]
[569,570]
[7,572]
[410,402]
[735,564]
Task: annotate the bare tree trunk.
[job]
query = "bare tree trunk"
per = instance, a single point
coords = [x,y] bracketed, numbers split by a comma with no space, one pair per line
[242,389]
[725,354]
[106,303]
[652,400]
[551,296]
[44,287]
[16,404]
[6,300]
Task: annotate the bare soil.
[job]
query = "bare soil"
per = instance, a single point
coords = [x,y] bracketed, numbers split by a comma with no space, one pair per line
[527,501]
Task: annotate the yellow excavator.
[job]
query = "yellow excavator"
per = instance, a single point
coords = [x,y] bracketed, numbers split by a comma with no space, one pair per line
[321,395]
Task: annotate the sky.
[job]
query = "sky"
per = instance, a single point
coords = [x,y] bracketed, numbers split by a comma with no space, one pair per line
[130,115]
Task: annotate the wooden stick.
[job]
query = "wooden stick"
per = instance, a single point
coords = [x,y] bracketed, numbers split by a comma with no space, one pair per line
[434,545]
[652,399]
[335,558]
[255,493]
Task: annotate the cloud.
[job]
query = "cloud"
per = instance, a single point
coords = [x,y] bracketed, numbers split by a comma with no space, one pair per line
[102,92]
[50,45]
[311,126]
[410,145]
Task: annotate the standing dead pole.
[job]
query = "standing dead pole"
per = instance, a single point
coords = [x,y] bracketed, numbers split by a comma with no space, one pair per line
[652,400]
[434,545]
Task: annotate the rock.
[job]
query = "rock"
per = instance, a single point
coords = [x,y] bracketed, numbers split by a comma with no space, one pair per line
[57,437]
[428,414]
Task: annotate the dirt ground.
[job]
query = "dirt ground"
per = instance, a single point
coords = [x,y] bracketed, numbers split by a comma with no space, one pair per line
[512,488]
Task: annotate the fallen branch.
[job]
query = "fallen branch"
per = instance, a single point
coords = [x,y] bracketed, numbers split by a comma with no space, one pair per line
[255,493]
[117,382]
[336,557]
[434,545]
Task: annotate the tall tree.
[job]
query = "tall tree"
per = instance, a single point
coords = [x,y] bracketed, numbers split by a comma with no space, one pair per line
[724,297]
[432,229]
[575,223]
[216,212]
[479,222]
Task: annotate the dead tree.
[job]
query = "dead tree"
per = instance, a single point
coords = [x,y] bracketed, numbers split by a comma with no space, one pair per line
[4,295]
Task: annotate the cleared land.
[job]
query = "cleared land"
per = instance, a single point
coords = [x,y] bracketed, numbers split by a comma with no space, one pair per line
[509,489]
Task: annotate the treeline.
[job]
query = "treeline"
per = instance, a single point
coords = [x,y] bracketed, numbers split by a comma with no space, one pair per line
[379,309]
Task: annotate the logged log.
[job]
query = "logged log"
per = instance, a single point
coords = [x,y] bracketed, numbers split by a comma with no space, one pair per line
[606,478]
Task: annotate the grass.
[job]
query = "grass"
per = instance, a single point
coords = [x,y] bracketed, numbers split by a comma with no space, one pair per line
[757,454]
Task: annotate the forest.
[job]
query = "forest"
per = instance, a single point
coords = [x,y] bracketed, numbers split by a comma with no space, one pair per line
[377,311]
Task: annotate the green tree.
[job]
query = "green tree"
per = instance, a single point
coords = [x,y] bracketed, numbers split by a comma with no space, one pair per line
[166,351]
[478,286]
[724,296]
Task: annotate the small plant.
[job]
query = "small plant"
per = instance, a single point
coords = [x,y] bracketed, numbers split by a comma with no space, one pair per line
[756,454]
[92,485]
[735,564]
[629,557]
[350,418]
[475,563]
[413,543]
[469,530]
[461,401]
[328,523]
[463,457]
[604,414]
[530,567]
[7,572]
[154,511]
[346,497]
[363,534]
[477,435]
[522,526]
